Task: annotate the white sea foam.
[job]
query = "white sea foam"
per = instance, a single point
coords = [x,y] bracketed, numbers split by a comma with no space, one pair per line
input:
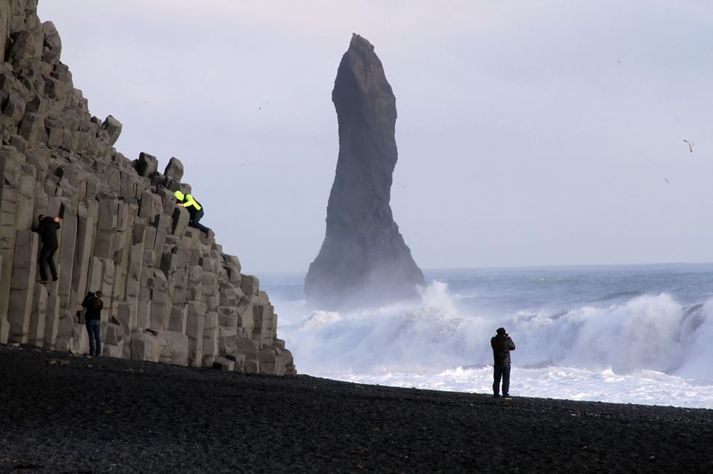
[647,349]
[643,386]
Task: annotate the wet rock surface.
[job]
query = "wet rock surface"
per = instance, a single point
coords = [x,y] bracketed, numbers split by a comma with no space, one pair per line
[363,258]
[61,413]
[170,292]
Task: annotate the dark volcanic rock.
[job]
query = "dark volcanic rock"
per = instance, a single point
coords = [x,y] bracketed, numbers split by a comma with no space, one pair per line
[363,259]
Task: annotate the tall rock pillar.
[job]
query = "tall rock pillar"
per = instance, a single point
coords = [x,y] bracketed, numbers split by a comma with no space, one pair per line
[364,259]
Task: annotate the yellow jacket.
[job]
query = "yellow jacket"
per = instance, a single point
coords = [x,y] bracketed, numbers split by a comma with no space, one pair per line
[187,200]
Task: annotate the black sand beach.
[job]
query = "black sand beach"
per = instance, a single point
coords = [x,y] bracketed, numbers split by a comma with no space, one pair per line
[61,413]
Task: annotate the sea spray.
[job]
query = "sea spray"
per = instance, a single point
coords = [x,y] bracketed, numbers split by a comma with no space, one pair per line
[404,336]
[698,334]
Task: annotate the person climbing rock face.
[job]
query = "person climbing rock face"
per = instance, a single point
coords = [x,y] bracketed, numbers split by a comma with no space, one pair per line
[47,228]
[194,209]
[502,345]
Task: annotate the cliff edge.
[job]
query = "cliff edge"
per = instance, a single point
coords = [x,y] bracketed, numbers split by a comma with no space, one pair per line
[363,258]
[170,293]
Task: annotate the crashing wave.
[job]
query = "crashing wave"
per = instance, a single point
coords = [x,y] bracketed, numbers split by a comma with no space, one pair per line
[647,332]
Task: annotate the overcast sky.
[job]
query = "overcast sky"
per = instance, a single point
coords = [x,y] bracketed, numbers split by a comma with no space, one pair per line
[529,132]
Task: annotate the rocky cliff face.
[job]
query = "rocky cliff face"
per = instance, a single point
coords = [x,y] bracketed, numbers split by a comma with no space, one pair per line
[170,293]
[363,258]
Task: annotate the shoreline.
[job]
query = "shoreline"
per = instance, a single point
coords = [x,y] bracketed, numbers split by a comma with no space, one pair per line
[60,412]
[480,381]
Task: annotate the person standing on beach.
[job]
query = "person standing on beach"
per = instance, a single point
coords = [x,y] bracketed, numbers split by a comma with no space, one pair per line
[502,345]
[94,305]
[47,228]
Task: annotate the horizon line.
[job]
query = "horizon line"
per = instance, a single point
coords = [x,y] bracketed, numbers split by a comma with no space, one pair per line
[515,267]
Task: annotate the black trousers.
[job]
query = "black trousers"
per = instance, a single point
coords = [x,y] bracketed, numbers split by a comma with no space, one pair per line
[501,372]
[195,217]
[45,259]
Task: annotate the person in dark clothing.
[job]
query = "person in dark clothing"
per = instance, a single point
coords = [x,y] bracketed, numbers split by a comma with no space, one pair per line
[94,305]
[47,228]
[194,209]
[502,345]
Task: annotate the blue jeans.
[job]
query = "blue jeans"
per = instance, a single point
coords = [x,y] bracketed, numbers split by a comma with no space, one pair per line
[94,331]
[502,371]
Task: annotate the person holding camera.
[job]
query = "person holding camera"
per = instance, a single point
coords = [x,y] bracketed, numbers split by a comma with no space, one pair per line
[502,345]
[94,305]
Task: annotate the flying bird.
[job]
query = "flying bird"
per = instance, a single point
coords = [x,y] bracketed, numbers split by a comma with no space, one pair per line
[690,145]
[666,180]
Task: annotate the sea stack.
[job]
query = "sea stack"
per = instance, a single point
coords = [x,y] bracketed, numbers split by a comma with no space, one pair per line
[364,259]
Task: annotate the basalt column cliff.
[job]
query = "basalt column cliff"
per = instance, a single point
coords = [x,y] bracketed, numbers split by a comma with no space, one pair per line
[170,293]
[363,259]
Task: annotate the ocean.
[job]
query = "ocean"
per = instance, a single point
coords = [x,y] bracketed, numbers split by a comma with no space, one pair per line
[625,334]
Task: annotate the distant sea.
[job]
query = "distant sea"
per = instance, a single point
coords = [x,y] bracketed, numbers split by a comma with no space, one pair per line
[624,334]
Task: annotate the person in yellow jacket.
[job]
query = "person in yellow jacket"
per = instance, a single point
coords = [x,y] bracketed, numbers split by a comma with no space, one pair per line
[194,209]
